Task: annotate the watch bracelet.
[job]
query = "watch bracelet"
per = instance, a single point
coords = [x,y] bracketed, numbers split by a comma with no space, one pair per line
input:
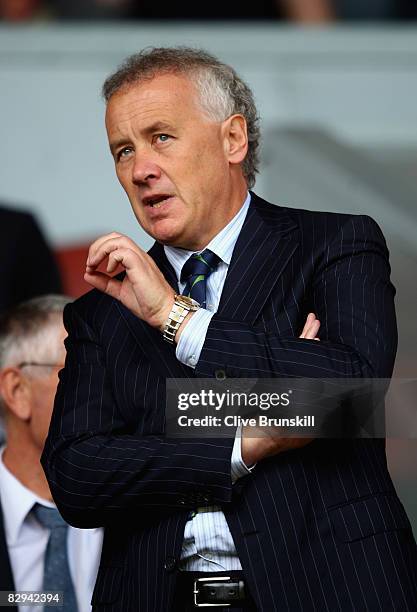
[173,322]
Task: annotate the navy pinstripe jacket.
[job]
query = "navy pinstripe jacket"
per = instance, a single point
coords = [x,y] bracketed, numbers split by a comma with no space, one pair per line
[319,528]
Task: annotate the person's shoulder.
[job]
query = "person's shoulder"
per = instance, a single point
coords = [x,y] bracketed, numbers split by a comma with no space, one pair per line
[15,218]
[318,221]
[93,308]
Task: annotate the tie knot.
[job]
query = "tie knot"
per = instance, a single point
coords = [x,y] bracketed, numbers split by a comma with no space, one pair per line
[48,517]
[199,264]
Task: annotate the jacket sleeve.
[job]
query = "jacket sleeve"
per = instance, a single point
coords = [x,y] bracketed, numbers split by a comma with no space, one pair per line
[352,296]
[97,470]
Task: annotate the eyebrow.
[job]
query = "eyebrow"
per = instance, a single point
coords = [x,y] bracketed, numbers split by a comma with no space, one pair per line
[118,143]
[158,126]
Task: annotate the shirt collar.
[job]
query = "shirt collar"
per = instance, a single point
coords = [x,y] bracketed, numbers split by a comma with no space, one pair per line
[222,244]
[17,502]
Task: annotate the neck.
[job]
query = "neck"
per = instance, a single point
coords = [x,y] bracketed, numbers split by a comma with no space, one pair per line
[230,202]
[22,458]
[227,206]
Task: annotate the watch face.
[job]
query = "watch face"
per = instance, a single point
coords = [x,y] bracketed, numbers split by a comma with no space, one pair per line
[187,302]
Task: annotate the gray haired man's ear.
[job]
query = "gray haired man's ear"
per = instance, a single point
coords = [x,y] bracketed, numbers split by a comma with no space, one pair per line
[15,393]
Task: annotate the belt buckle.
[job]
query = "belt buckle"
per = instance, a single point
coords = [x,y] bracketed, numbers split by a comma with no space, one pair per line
[206,605]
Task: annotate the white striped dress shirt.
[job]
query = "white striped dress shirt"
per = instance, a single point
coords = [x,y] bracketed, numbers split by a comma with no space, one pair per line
[208,544]
[27,541]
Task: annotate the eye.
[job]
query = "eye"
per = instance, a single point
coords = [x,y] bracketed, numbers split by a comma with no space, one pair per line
[160,138]
[123,153]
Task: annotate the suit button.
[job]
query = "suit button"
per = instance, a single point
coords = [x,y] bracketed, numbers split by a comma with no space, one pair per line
[170,564]
[192,361]
[220,374]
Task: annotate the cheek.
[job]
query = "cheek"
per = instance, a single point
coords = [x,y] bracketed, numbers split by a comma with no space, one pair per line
[41,418]
[44,423]
[122,178]
[211,160]
[42,411]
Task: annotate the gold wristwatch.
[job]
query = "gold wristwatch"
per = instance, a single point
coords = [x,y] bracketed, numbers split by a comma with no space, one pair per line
[180,309]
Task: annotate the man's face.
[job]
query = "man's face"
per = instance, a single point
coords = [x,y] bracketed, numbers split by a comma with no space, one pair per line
[43,384]
[173,162]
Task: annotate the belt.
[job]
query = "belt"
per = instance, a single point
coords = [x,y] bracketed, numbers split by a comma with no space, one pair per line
[213,590]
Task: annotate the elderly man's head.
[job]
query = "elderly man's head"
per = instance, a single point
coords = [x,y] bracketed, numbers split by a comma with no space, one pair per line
[183,131]
[31,354]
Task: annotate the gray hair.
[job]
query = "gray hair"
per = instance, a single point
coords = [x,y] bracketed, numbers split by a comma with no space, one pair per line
[28,331]
[221,91]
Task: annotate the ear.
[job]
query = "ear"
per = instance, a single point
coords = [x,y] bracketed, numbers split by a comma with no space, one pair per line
[235,138]
[16,393]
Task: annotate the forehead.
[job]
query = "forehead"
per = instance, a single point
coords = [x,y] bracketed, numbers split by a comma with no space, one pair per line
[165,97]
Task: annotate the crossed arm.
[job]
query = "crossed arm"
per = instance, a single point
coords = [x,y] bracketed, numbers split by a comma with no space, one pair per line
[96,470]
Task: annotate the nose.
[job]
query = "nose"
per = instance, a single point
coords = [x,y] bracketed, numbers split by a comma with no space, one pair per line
[144,169]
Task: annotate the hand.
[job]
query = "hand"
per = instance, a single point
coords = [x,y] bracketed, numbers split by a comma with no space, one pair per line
[261,442]
[143,290]
[311,328]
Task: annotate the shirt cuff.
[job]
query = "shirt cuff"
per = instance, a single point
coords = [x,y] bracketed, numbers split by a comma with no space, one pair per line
[192,338]
[238,466]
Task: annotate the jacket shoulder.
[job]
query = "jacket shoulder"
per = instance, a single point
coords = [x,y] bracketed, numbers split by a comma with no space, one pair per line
[320,222]
[93,308]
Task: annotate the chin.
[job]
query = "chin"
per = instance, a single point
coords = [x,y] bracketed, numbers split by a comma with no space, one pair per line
[170,241]
[166,234]
[167,238]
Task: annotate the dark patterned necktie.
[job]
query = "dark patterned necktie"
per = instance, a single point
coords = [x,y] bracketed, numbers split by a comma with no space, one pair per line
[56,575]
[195,272]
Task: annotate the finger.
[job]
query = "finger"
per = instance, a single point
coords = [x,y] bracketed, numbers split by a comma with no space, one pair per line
[313,330]
[135,267]
[103,248]
[113,262]
[310,319]
[101,240]
[107,284]
[98,252]
[127,258]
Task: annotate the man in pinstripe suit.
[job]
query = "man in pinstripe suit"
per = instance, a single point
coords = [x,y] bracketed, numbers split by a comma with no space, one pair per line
[311,526]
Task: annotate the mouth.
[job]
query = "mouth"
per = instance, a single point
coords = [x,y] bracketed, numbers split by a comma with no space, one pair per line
[156,201]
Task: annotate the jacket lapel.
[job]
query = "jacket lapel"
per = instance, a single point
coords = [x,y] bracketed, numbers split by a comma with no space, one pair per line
[158,255]
[268,239]
[150,340]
